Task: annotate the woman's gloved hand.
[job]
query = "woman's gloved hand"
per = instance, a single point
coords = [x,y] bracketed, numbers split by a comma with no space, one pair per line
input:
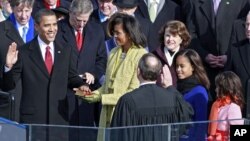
[92,98]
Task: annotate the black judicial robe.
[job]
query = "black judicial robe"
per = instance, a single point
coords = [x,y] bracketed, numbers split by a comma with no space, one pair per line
[147,105]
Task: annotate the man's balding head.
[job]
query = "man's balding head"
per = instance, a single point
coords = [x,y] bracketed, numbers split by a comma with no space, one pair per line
[149,67]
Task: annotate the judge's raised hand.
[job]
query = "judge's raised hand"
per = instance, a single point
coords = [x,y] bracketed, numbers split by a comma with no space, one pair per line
[166,77]
[12,55]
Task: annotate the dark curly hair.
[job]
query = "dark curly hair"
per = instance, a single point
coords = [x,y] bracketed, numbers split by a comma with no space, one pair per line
[229,84]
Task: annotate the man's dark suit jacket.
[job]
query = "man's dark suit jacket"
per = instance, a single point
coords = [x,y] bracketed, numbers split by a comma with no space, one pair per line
[213,32]
[44,98]
[149,104]
[239,60]
[95,17]
[170,11]
[186,10]
[92,58]
[145,25]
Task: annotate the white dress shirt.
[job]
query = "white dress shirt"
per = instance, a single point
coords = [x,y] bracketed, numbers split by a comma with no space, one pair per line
[145,83]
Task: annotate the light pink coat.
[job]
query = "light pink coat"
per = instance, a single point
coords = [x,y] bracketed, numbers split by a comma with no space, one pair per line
[227,112]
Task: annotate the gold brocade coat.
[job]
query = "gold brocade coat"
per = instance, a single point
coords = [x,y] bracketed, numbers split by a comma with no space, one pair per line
[124,78]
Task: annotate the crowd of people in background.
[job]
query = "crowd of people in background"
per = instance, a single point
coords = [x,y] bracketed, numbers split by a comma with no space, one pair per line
[112,63]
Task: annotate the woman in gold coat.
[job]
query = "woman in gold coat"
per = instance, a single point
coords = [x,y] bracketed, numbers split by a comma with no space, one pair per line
[121,76]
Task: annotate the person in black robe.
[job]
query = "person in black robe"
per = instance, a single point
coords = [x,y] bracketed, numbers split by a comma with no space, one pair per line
[149,105]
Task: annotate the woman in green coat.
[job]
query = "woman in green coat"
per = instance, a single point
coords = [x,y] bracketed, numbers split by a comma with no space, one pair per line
[121,73]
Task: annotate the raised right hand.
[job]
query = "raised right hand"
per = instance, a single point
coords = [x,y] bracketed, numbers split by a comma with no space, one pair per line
[12,55]
[166,77]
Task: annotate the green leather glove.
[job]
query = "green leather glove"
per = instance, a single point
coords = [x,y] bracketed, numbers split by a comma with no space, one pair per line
[92,98]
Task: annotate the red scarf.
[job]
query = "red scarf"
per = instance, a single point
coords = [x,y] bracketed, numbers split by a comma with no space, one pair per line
[47,6]
[214,116]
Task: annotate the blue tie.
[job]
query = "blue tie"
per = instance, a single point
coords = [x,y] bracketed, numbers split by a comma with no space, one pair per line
[25,29]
